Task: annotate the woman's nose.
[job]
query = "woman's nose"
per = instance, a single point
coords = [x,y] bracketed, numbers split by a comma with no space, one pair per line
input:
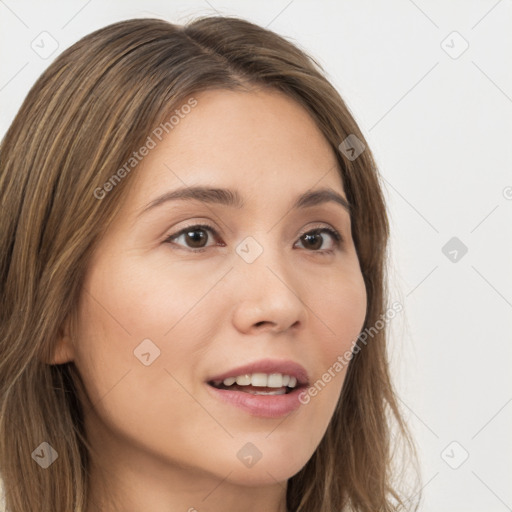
[267,291]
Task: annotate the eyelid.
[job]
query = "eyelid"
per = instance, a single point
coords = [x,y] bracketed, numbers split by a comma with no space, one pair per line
[322,226]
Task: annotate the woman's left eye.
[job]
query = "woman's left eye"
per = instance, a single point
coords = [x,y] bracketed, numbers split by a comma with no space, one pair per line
[191,232]
[313,236]
[196,236]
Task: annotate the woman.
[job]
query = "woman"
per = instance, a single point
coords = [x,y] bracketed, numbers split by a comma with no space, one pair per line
[193,244]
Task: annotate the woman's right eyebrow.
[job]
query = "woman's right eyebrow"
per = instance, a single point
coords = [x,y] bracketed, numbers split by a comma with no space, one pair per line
[232,198]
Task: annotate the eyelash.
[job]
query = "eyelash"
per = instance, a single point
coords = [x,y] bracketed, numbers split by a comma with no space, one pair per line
[338,239]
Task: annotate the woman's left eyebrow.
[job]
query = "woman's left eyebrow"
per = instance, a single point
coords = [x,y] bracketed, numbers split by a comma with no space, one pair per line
[232,198]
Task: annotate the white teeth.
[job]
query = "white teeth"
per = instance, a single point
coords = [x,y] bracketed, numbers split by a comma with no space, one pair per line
[272,380]
[275,380]
[281,391]
[259,379]
[243,380]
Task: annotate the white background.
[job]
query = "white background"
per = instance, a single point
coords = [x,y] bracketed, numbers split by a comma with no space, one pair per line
[441,130]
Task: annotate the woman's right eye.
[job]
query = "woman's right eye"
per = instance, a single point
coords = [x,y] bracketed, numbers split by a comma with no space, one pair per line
[194,236]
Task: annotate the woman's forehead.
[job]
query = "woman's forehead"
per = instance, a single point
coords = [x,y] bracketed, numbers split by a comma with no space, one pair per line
[259,140]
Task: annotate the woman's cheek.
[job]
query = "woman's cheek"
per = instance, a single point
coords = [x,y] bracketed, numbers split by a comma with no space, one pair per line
[343,305]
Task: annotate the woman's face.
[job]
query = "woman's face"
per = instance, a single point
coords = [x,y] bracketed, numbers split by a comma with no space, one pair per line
[165,310]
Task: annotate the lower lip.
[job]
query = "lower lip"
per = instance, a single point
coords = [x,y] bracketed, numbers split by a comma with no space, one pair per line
[264,406]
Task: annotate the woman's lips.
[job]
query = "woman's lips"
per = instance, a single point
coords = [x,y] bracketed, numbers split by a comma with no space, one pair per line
[264,406]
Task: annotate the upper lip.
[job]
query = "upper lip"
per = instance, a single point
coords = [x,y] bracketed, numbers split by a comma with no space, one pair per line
[285,367]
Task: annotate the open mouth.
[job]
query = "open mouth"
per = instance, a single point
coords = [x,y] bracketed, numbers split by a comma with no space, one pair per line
[255,390]
[258,384]
[264,395]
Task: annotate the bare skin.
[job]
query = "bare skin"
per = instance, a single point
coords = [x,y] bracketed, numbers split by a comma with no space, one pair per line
[161,441]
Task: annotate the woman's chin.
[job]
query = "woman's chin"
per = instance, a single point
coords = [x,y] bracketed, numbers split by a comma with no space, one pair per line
[253,467]
[262,475]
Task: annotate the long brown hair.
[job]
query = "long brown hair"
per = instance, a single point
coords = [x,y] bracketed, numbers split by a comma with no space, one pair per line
[82,120]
